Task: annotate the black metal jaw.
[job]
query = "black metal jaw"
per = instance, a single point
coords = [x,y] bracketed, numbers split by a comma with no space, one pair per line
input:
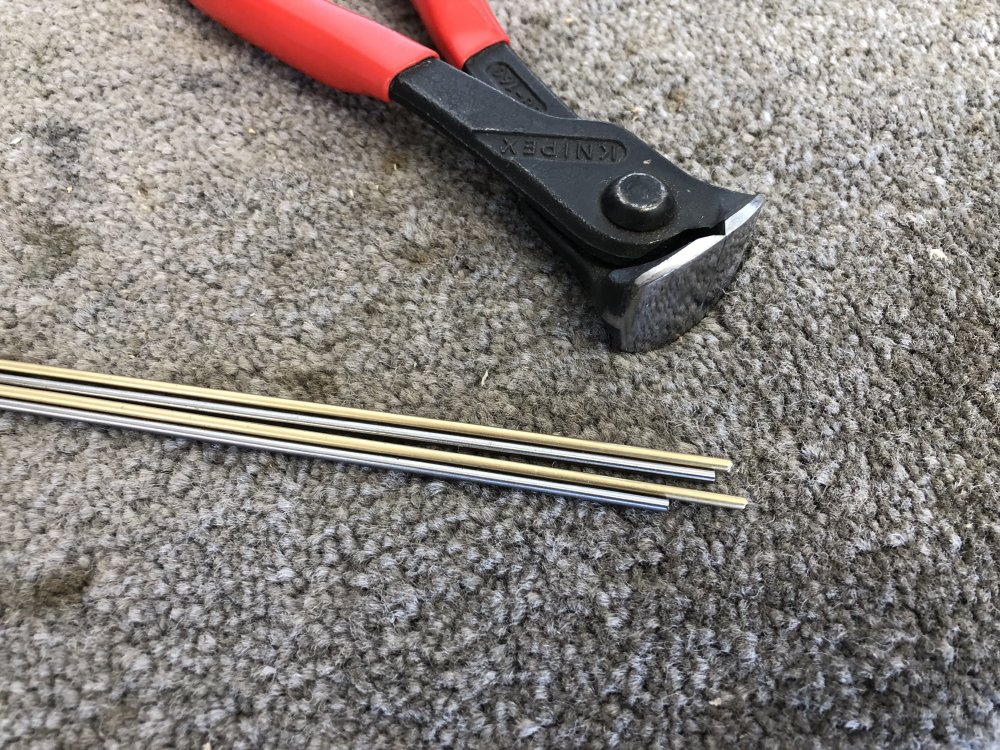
[617,208]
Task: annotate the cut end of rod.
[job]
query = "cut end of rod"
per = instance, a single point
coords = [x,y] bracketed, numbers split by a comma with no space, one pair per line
[713,499]
[725,465]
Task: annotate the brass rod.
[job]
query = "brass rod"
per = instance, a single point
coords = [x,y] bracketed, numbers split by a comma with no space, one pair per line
[343,412]
[345,442]
[525,451]
[371,460]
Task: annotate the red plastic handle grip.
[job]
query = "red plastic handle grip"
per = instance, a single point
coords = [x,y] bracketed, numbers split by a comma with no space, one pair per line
[460,28]
[323,40]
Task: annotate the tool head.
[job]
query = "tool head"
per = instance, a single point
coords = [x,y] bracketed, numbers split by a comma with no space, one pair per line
[648,305]
[654,245]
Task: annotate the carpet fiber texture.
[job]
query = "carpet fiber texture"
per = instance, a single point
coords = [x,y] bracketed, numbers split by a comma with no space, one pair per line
[175,204]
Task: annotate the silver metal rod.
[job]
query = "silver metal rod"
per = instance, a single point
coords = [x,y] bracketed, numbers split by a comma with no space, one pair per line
[365,415]
[426,468]
[368,428]
[366,445]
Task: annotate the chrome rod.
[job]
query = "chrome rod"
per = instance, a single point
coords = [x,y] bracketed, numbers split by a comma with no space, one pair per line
[345,442]
[372,460]
[367,428]
[343,412]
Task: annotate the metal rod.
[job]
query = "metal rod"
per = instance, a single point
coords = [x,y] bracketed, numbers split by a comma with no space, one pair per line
[343,412]
[368,446]
[372,460]
[367,428]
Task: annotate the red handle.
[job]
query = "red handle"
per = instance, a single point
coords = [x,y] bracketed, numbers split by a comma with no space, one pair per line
[460,28]
[323,40]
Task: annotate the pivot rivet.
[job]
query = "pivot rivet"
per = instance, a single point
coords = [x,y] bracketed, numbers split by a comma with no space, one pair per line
[638,201]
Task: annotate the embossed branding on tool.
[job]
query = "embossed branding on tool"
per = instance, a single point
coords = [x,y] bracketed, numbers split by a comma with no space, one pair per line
[556,148]
[508,81]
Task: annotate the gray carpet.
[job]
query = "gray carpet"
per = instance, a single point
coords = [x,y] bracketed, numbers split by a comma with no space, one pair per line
[176,205]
